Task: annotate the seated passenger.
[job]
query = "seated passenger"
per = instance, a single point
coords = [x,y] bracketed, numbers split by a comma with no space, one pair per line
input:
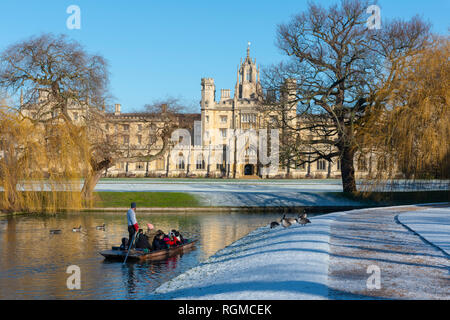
[142,241]
[124,245]
[158,241]
[180,236]
[151,232]
[170,242]
[177,237]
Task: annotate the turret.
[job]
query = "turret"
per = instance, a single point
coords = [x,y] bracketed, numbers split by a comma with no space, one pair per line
[208,92]
[289,90]
[288,97]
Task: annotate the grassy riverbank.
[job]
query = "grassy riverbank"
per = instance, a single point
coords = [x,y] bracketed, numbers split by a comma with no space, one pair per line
[124,199]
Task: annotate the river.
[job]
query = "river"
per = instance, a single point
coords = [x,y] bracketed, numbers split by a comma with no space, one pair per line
[34,262]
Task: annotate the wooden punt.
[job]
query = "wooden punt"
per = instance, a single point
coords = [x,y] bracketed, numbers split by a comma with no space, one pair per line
[138,255]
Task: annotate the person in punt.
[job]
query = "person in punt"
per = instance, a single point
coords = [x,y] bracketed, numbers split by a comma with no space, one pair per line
[142,241]
[170,242]
[133,226]
[158,241]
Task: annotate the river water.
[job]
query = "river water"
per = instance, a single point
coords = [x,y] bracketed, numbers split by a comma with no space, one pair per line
[34,262]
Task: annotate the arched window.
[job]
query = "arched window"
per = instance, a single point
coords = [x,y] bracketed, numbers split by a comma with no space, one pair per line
[200,162]
[321,165]
[180,162]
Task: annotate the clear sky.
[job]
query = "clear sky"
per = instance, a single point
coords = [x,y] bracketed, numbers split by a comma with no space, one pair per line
[160,48]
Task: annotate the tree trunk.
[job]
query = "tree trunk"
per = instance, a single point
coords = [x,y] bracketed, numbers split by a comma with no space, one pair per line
[92,179]
[348,169]
[89,185]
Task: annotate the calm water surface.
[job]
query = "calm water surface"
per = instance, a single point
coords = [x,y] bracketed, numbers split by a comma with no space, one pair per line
[33,262]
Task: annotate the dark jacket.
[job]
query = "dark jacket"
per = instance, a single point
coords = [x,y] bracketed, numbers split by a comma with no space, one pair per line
[142,242]
[159,244]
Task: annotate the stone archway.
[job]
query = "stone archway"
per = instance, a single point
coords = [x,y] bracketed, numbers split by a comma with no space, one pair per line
[249,170]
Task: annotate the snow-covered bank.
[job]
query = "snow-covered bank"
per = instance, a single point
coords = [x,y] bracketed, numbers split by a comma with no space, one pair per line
[267,264]
[273,199]
[433,224]
[409,268]
[328,259]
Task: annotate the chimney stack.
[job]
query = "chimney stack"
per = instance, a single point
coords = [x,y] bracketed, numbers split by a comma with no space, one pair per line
[117,112]
[164,108]
[225,94]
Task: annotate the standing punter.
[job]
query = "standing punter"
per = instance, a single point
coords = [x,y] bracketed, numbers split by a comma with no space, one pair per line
[133,226]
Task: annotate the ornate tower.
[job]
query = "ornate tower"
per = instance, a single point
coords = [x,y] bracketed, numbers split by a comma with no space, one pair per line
[248,81]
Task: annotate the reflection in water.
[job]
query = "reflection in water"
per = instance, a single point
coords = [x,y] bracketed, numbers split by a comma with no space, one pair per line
[33,262]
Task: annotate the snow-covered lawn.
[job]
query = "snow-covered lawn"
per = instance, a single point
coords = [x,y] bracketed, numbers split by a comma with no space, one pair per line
[267,264]
[273,199]
[432,224]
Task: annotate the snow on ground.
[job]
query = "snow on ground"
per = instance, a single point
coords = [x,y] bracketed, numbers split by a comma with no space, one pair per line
[327,259]
[267,264]
[272,199]
[409,267]
[253,186]
[433,224]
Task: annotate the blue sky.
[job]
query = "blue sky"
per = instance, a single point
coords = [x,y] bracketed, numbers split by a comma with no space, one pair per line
[160,48]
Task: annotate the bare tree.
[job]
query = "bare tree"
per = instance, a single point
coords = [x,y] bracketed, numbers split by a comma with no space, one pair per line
[53,74]
[338,65]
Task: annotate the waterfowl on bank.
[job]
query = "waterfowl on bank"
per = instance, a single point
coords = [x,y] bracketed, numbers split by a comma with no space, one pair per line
[292,220]
[274,225]
[102,227]
[55,231]
[285,223]
[304,221]
[75,229]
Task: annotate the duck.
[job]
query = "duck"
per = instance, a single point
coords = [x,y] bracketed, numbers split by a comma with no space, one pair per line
[285,223]
[274,224]
[75,229]
[102,227]
[55,231]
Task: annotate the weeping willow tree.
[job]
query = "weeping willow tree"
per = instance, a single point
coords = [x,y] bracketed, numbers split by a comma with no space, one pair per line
[54,74]
[40,165]
[409,132]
